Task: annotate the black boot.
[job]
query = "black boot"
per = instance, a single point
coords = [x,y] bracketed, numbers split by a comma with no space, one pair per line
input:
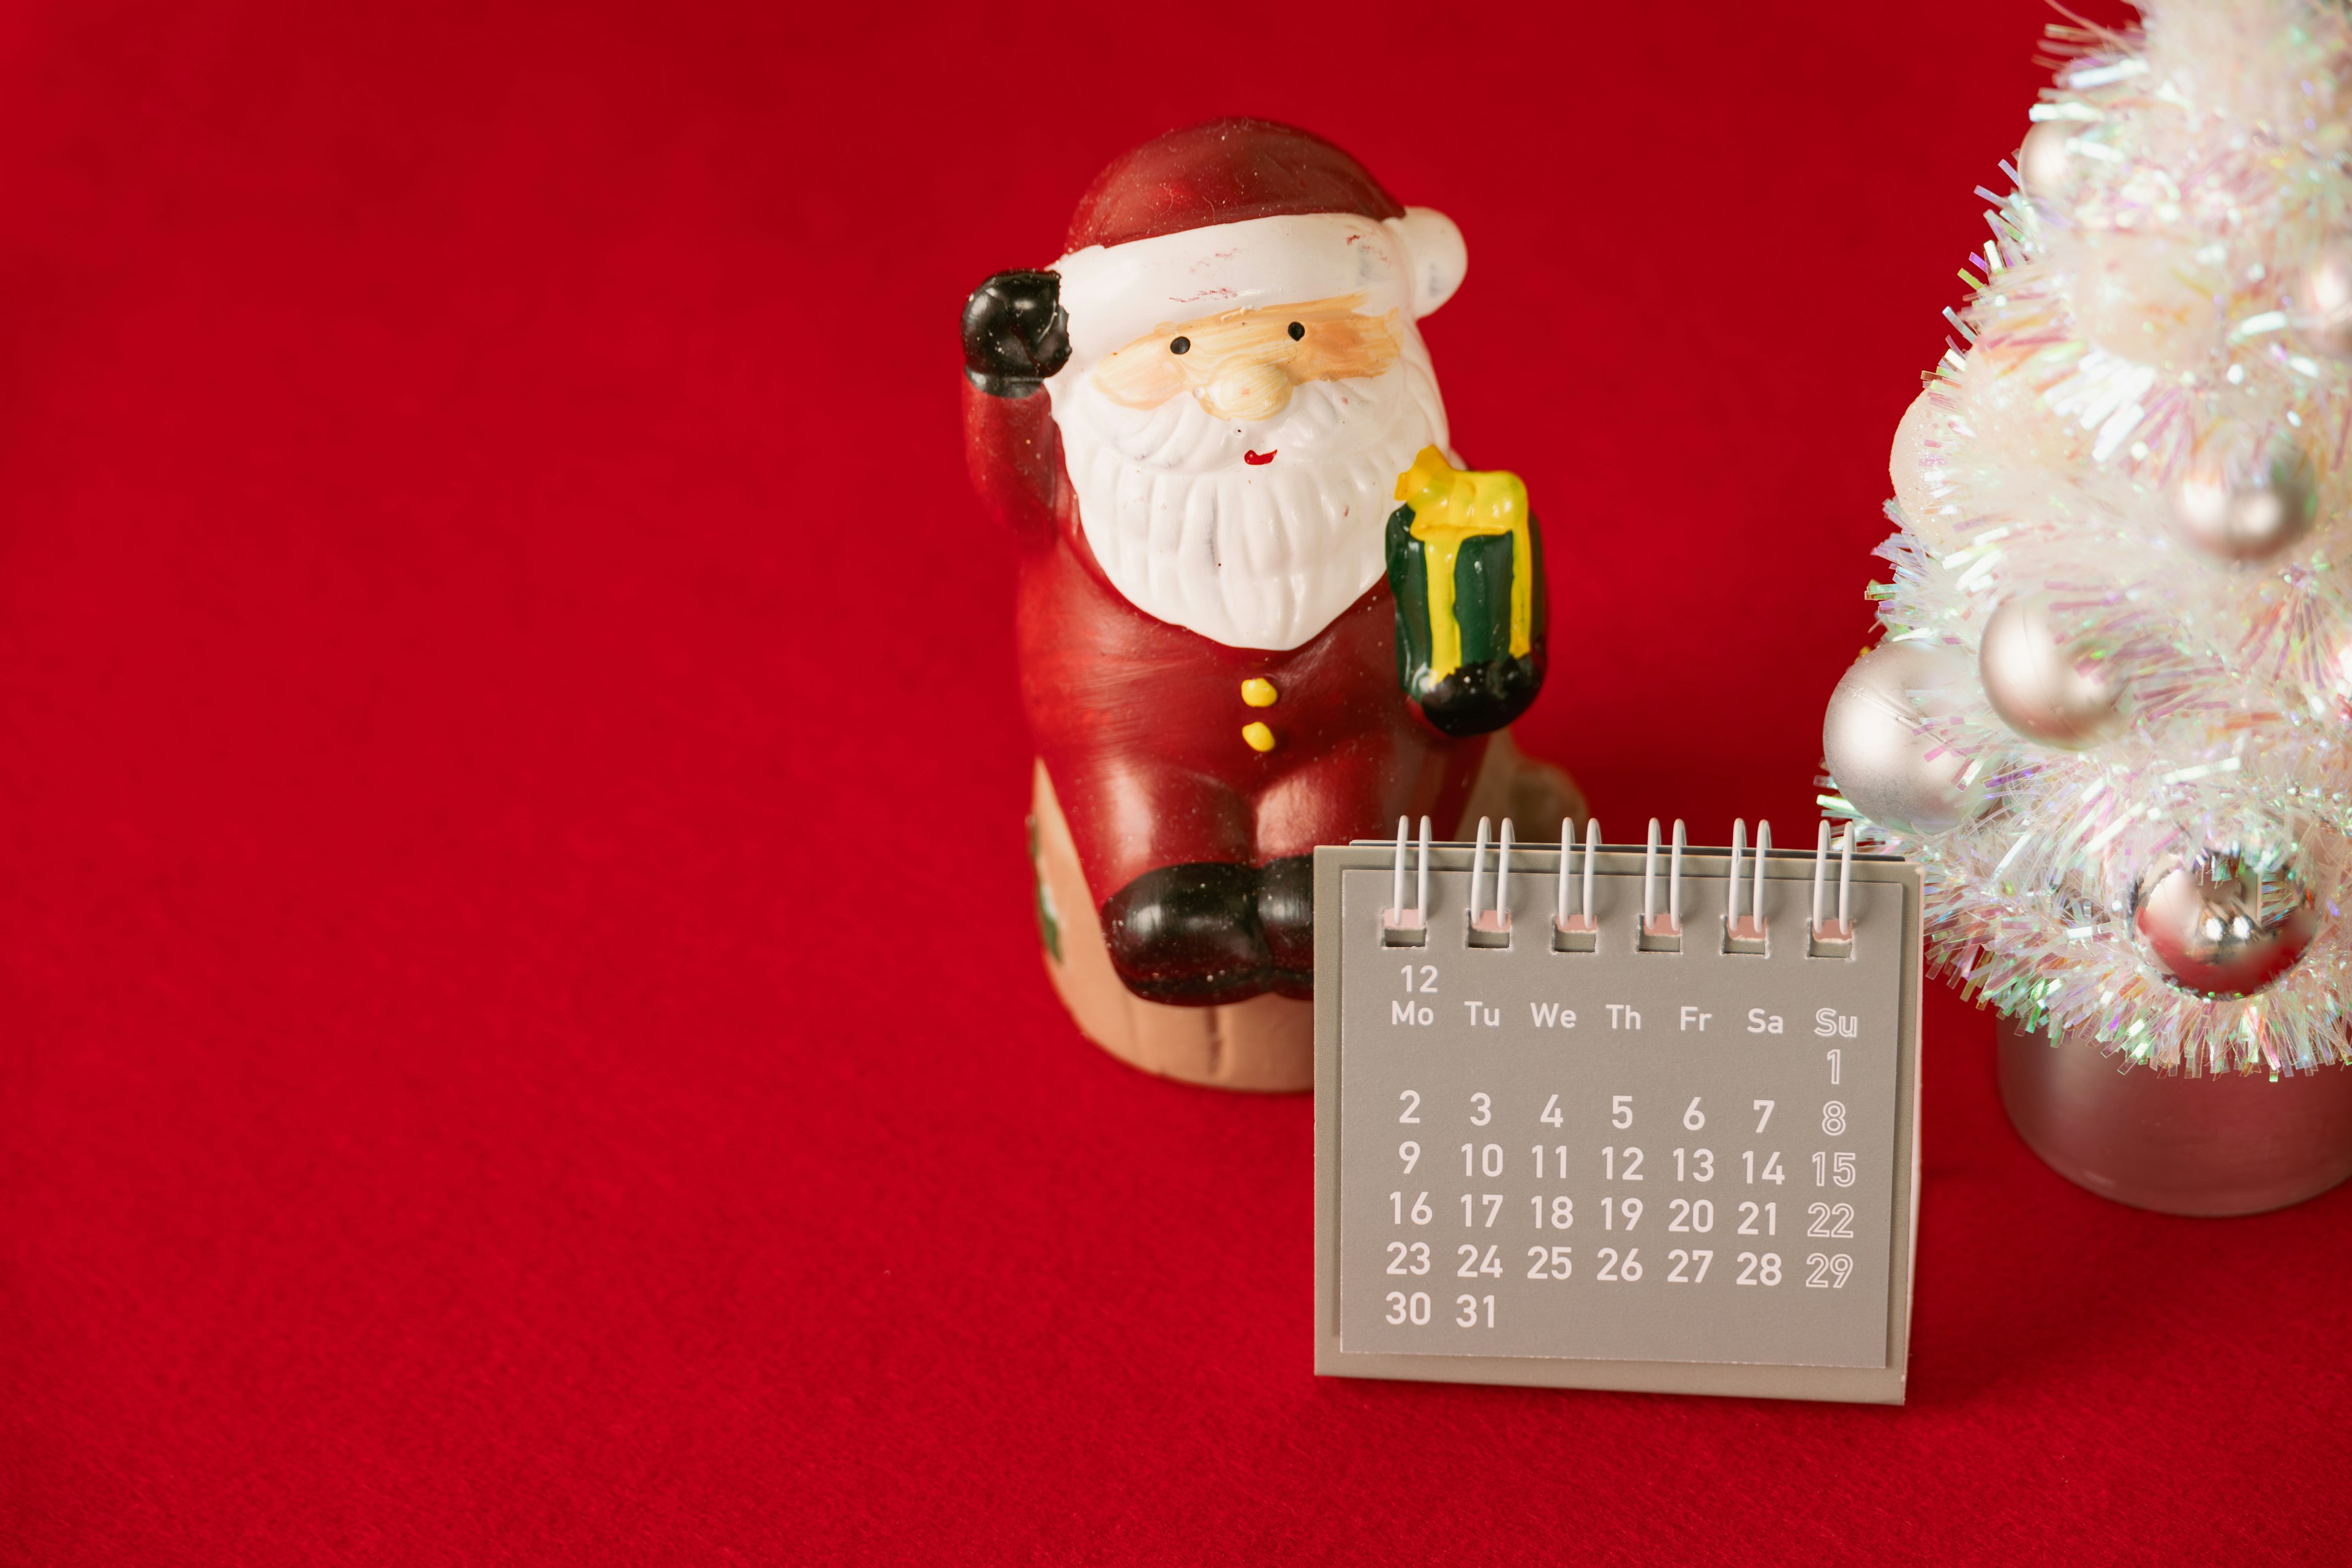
[1285,911]
[1189,935]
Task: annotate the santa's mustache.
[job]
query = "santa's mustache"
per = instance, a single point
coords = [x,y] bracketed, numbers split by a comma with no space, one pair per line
[1324,420]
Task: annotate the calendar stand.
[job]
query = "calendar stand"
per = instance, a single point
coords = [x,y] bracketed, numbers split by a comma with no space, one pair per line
[1586,1121]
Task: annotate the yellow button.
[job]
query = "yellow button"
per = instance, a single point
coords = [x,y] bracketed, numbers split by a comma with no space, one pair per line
[1259,692]
[1259,737]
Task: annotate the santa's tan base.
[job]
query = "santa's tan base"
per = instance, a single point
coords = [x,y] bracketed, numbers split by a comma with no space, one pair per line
[1266,1043]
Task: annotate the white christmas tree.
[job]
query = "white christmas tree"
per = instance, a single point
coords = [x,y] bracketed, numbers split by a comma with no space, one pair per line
[2110,709]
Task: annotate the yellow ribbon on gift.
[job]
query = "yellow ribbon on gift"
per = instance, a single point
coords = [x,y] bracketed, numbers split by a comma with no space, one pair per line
[1450,505]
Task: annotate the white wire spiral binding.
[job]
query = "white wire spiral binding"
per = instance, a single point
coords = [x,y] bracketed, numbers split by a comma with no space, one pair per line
[1840,930]
[1582,919]
[1478,871]
[1671,927]
[1397,918]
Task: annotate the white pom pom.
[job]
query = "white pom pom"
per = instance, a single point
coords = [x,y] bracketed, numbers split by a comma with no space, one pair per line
[1435,256]
[2145,299]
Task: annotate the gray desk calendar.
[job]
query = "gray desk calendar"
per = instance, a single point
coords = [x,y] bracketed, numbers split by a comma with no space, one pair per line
[1616,1117]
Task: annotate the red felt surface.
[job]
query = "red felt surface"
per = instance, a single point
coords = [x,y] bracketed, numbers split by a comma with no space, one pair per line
[521,1034]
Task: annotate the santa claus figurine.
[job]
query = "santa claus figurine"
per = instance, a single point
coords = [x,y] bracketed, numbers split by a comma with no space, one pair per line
[1261,606]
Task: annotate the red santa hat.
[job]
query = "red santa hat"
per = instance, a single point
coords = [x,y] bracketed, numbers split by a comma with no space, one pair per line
[1236,215]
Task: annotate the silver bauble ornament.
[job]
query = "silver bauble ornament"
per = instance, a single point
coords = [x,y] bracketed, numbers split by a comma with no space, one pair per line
[1886,761]
[2218,924]
[2043,686]
[2044,162]
[2326,322]
[2247,504]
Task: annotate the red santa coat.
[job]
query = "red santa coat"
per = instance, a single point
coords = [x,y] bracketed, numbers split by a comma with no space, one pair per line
[1140,723]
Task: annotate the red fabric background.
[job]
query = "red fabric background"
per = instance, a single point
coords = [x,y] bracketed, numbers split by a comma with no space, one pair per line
[522,1035]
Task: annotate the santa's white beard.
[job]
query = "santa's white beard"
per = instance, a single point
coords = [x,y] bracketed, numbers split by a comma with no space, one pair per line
[1251,555]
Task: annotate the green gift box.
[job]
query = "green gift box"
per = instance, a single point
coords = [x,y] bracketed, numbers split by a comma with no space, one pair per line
[1466,566]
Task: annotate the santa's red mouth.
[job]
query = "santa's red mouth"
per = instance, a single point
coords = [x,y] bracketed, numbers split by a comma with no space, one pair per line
[1257,459]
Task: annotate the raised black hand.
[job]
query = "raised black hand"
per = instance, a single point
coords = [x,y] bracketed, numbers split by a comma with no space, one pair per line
[1015,333]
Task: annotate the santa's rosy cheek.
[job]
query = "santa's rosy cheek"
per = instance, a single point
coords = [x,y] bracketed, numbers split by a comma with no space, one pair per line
[1141,381]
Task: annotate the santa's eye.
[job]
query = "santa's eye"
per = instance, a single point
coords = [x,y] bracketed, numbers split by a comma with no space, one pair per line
[1298,330]
[1180,345]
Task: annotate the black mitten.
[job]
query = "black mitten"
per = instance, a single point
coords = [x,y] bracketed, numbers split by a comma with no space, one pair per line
[1015,333]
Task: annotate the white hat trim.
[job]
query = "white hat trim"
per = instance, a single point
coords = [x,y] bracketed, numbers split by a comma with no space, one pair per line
[1118,293]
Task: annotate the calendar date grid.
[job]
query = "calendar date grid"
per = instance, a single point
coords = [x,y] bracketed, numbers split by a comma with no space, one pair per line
[1712,1209]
